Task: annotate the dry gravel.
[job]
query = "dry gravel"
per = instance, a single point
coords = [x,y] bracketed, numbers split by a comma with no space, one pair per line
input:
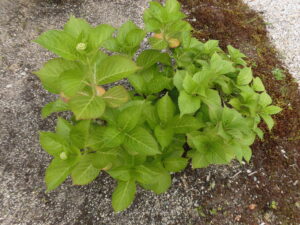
[283,25]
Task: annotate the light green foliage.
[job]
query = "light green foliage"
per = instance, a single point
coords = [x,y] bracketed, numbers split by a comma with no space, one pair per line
[128,39]
[191,94]
[123,195]
[278,74]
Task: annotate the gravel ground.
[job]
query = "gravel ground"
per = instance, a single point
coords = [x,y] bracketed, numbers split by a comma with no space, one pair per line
[23,162]
[283,24]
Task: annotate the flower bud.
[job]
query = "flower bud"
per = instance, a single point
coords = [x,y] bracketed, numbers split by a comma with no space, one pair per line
[108,166]
[64,98]
[81,46]
[173,43]
[63,156]
[100,90]
[158,36]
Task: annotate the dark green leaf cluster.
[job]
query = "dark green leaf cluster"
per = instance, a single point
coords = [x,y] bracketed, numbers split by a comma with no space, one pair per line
[186,93]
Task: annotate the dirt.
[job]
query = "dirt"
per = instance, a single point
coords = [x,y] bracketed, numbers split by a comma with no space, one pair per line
[277,158]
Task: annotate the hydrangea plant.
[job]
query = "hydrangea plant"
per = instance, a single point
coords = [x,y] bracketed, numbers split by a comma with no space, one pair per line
[190,102]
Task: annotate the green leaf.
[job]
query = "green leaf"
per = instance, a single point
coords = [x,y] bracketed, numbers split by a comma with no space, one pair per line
[77,26]
[272,109]
[163,182]
[212,150]
[259,132]
[151,116]
[179,78]
[152,25]
[59,42]
[212,98]
[112,137]
[158,44]
[63,128]
[158,83]
[175,164]
[99,34]
[210,47]
[189,85]
[258,84]
[172,6]
[245,76]
[114,68]
[247,154]
[220,66]
[225,84]
[139,140]
[121,173]
[56,106]
[112,45]
[50,72]
[198,159]
[105,159]
[236,56]
[155,10]
[134,37]
[268,120]
[72,81]
[96,59]
[137,81]
[235,102]
[165,108]
[80,134]
[185,124]
[187,103]
[233,121]
[123,195]
[95,139]
[150,57]
[116,96]
[124,30]
[186,39]
[238,151]
[130,116]
[87,107]
[53,143]
[84,172]
[163,135]
[145,174]
[110,116]
[131,161]
[265,99]
[57,172]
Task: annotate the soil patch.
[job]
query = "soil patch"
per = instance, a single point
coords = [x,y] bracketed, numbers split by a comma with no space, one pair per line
[276,159]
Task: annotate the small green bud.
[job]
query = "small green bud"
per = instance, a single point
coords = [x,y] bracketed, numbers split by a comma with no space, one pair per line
[63,156]
[81,46]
